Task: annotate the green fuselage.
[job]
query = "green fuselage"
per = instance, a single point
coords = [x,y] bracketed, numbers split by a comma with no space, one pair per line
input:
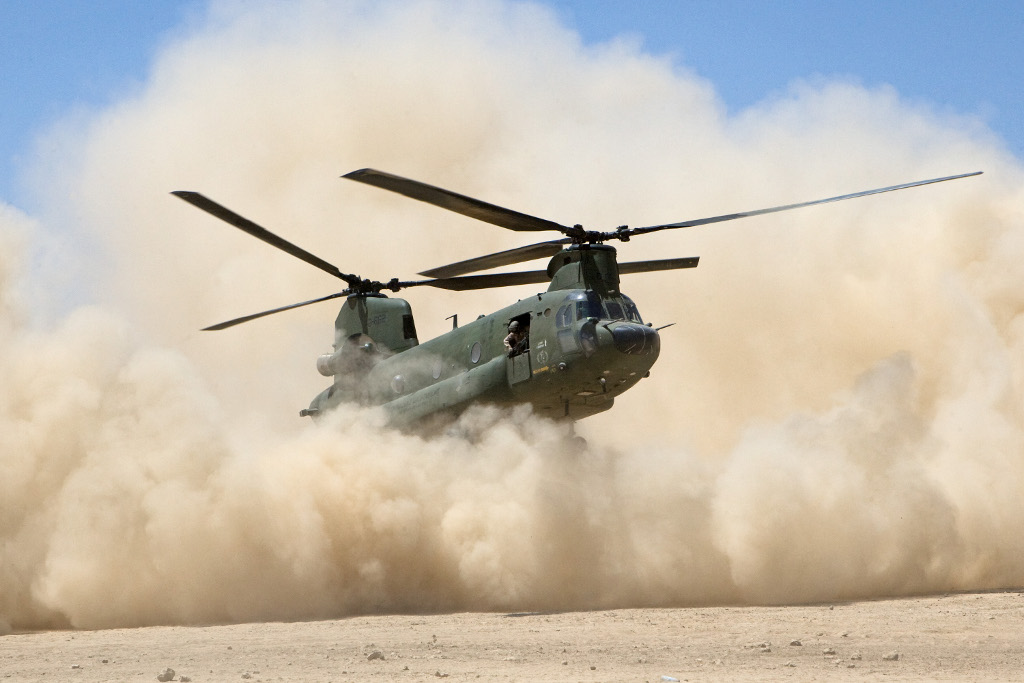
[584,344]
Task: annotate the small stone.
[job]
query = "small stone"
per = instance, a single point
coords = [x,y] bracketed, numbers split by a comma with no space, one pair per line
[76,666]
[593,668]
[376,654]
[851,666]
[790,664]
[440,675]
[565,663]
[828,651]
[856,657]
[795,643]
[891,657]
[167,675]
[184,679]
[766,649]
[104,661]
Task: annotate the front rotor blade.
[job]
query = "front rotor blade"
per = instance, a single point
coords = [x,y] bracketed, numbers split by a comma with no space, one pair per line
[501,258]
[467,206]
[228,216]
[247,318]
[488,281]
[746,214]
[661,264]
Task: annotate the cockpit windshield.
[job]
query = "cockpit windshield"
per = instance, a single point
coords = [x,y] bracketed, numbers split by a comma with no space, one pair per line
[590,305]
[632,313]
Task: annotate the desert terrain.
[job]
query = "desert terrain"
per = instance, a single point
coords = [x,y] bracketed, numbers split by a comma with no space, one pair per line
[956,637]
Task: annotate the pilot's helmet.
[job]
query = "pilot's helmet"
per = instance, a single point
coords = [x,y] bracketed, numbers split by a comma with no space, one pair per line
[513,326]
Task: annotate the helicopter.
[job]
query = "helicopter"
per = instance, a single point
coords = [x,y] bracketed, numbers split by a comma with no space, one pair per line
[568,351]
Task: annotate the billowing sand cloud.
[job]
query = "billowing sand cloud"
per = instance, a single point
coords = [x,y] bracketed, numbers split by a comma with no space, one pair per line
[837,413]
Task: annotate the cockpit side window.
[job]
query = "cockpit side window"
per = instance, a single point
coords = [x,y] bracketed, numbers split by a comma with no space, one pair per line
[564,316]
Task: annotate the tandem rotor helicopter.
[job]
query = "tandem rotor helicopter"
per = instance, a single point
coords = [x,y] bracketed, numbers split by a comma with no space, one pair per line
[569,351]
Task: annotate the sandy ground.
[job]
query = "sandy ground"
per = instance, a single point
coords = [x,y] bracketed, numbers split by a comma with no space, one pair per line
[960,637]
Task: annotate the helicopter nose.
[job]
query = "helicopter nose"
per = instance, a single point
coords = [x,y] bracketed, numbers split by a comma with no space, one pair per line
[635,339]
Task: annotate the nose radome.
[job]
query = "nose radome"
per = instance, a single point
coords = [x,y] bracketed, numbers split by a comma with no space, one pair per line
[634,339]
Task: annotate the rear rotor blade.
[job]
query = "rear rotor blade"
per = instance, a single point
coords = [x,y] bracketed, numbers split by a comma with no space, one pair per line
[247,318]
[746,214]
[467,206]
[228,216]
[501,258]
[661,264]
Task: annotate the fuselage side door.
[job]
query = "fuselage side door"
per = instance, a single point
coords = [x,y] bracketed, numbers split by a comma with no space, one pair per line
[519,368]
[519,361]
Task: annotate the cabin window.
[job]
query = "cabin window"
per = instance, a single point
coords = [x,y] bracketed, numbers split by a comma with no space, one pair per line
[475,353]
[408,326]
[614,310]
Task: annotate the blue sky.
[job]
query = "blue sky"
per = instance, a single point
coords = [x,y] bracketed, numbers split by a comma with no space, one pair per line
[957,56]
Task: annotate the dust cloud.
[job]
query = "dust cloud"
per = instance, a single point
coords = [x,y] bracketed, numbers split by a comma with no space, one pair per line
[836,414]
